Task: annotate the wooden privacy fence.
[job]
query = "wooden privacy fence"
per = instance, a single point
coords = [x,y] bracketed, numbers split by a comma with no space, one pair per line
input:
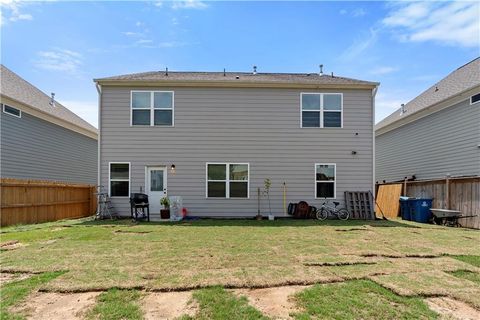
[35,201]
[459,193]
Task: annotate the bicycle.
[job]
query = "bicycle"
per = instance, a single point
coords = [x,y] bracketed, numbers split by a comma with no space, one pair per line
[325,210]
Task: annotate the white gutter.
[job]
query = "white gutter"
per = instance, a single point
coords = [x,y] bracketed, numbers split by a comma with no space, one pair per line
[99,141]
[374,93]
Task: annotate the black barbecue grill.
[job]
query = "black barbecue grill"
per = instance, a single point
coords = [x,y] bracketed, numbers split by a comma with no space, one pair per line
[138,204]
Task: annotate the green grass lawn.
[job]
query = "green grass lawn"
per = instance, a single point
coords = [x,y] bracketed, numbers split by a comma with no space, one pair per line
[359,299]
[117,304]
[212,254]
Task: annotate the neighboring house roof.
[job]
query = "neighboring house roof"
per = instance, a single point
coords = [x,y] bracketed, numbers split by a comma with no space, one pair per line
[463,79]
[18,89]
[240,78]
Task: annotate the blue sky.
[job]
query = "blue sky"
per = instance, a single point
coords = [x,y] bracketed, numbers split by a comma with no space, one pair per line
[61,46]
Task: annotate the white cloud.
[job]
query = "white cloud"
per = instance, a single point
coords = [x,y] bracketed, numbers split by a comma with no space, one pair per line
[449,23]
[59,60]
[188,4]
[11,11]
[143,41]
[358,12]
[383,70]
[87,110]
[133,34]
[165,44]
[360,45]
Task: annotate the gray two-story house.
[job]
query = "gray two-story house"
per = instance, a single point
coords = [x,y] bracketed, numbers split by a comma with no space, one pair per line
[436,134]
[214,137]
[40,138]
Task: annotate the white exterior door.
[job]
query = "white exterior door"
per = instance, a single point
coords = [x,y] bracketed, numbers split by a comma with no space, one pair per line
[156,185]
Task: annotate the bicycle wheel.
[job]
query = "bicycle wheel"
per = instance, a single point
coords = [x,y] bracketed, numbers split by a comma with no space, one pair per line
[343,214]
[321,214]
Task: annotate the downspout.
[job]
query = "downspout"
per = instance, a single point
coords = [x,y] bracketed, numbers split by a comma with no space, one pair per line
[374,93]
[99,90]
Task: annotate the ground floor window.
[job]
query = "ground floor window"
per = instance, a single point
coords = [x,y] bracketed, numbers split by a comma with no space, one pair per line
[325,180]
[227,180]
[119,176]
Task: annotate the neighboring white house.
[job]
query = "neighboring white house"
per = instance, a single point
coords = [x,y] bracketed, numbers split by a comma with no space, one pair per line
[436,134]
[213,137]
[40,138]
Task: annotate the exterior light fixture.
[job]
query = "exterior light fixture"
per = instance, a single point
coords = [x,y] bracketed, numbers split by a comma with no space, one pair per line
[172,169]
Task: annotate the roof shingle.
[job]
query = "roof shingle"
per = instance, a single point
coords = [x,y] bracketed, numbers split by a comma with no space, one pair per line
[242,77]
[464,78]
[14,87]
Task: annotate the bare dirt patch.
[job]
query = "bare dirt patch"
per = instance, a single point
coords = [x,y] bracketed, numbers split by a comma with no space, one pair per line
[10,277]
[11,245]
[168,305]
[452,309]
[275,302]
[57,306]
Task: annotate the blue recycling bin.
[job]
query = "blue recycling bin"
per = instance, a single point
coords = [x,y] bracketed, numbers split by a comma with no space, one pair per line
[405,208]
[420,209]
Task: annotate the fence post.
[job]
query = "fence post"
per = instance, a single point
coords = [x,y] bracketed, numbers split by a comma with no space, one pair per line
[447,192]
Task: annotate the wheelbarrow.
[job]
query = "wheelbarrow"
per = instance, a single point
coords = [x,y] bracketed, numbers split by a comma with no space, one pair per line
[447,217]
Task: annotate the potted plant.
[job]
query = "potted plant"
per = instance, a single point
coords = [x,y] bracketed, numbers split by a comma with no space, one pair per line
[165,212]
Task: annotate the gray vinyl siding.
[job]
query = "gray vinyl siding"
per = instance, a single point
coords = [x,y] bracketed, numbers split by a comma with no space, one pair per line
[32,148]
[256,126]
[445,142]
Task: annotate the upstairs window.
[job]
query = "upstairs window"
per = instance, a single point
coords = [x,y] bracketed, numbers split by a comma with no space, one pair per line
[12,111]
[152,108]
[227,180]
[475,98]
[325,180]
[321,110]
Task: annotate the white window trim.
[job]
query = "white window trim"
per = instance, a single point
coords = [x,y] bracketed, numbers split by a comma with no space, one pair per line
[321,110]
[227,181]
[334,181]
[152,108]
[471,98]
[13,115]
[110,180]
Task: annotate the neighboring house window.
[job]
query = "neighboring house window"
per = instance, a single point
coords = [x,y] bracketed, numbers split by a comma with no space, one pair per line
[152,108]
[321,110]
[227,180]
[12,111]
[119,179]
[325,180]
[475,98]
